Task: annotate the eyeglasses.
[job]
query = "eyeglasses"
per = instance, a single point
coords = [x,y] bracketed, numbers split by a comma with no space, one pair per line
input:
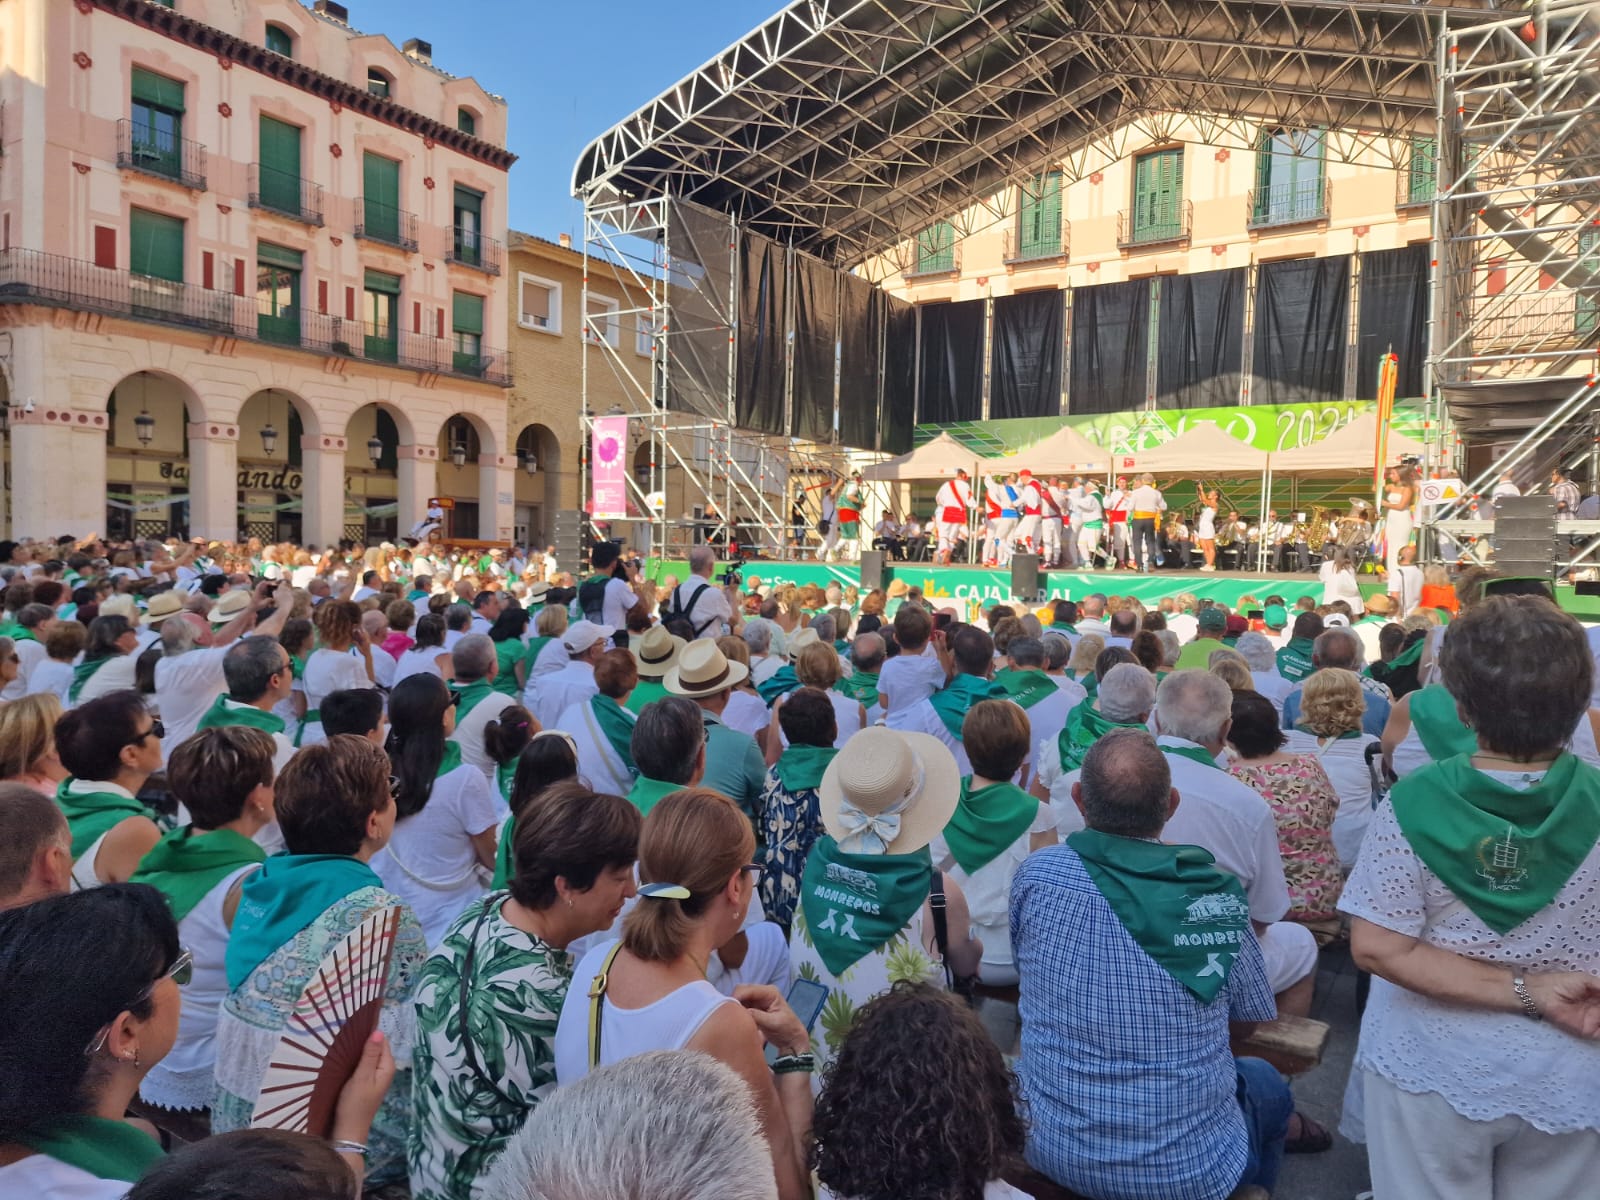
[394,787]
[180,972]
[156,730]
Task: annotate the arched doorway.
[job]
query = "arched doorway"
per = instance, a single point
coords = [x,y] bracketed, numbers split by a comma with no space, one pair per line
[538,490]
[271,484]
[374,436]
[464,440]
[147,456]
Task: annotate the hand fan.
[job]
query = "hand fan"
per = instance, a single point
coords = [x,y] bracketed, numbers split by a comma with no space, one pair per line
[330,1024]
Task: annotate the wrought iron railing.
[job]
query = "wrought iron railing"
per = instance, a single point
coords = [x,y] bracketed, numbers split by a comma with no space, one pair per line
[160,153]
[1020,248]
[1161,223]
[470,248]
[284,192]
[1295,203]
[379,222]
[921,261]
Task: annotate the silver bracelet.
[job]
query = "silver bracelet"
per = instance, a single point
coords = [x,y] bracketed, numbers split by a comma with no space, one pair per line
[344,1147]
[1529,1008]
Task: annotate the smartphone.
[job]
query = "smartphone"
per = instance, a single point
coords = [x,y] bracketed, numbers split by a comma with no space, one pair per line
[806,997]
[1255,614]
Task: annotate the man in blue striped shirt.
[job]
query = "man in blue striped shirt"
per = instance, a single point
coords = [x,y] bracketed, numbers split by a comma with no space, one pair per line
[1134,958]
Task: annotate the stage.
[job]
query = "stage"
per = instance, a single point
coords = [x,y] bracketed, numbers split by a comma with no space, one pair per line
[968,589]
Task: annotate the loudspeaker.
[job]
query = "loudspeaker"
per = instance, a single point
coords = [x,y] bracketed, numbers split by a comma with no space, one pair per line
[1525,536]
[873,572]
[1027,581]
[567,535]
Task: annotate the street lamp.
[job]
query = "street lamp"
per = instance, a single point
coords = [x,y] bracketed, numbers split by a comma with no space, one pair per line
[144,427]
[375,449]
[458,454]
[530,462]
[269,438]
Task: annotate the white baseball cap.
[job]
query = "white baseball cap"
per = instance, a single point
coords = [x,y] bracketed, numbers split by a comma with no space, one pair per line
[582,634]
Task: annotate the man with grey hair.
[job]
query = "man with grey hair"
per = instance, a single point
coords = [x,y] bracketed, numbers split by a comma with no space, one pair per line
[1046,700]
[383,663]
[1341,647]
[710,610]
[1124,700]
[1092,615]
[625,1130]
[1124,927]
[260,676]
[1258,651]
[867,655]
[1231,820]
[763,662]
[475,665]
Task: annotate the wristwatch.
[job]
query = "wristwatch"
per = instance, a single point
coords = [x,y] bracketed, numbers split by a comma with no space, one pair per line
[1529,1008]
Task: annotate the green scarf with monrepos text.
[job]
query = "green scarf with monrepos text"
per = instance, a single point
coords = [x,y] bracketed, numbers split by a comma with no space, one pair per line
[802,767]
[187,863]
[1503,852]
[106,1149]
[987,821]
[1085,726]
[616,723]
[90,814]
[225,712]
[854,903]
[284,898]
[1438,724]
[862,687]
[1185,912]
[1026,687]
[955,699]
[1294,660]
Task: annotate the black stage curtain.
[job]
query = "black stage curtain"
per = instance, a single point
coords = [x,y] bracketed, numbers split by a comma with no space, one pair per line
[1025,368]
[1110,347]
[702,307]
[1200,339]
[895,415]
[815,329]
[951,367]
[1302,330]
[1393,314]
[860,361]
[758,402]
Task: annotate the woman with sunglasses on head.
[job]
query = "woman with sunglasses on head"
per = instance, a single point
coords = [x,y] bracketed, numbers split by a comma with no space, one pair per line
[110,747]
[335,811]
[442,851]
[505,961]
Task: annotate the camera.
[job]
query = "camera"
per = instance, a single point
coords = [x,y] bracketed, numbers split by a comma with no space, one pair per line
[731,575]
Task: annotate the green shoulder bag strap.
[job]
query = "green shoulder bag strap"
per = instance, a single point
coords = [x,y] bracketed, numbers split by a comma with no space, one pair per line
[597,997]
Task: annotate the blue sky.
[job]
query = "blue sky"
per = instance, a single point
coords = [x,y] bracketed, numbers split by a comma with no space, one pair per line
[569,70]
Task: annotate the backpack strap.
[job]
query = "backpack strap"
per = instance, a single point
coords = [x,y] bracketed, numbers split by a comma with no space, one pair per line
[682,610]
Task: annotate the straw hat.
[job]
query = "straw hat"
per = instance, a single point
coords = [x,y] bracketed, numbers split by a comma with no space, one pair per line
[162,606]
[703,669]
[1380,604]
[898,588]
[880,768]
[800,639]
[229,605]
[657,651]
[537,592]
[122,605]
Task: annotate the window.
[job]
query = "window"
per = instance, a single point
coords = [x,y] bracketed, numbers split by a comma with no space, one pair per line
[936,248]
[279,181]
[1039,217]
[280,41]
[645,339]
[468,226]
[466,327]
[538,303]
[1289,177]
[1158,196]
[157,124]
[378,82]
[466,122]
[380,198]
[1423,171]
[380,311]
[155,245]
[458,431]
[602,320]
[1586,308]
[278,294]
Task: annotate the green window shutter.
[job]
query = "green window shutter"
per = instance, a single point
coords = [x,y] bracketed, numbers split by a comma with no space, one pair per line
[279,256]
[1041,216]
[155,245]
[466,122]
[468,201]
[280,41]
[382,281]
[380,192]
[1424,169]
[468,225]
[157,90]
[1586,305]
[280,165]
[466,313]
[936,247]
[1158,195]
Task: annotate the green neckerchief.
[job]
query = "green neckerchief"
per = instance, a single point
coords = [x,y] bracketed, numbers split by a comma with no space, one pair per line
[505,775]
[1184,911]
[91,814]
[861,687]
[502,855]
[297,666]
[854,903]
[1065,627]
[649,690]
[1026,687]
[83,672]
[1085,726]
[841,647]
[535,644]
[1090,683]
[1409,657]
[1294,660]
[801,767]
[283,899]
[450,759]
[186,864]
[1502,852]
[416,594]
[10,629]
[1192,752]
[224,712]
[104,1148]
[955,698]
[780,682]
[472,695]
[616,723]
[987,821]
[645,793]
[22,634]
[1438,724]
[507,655]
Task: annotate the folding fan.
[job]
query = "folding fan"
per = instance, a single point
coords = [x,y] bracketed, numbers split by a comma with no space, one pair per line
[330,1024]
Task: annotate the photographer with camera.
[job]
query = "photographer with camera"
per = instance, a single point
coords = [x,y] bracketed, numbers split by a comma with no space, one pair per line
[710,610]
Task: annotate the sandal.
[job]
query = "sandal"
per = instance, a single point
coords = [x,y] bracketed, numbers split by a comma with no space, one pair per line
[1312,1138]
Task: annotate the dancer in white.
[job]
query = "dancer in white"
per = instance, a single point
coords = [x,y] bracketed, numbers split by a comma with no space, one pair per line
[1088,514]
[1004,504]
[952,507]
[1052,504]
[1026,537]
[1205,529]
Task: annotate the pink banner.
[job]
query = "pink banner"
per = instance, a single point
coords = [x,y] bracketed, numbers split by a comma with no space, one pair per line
[609,469]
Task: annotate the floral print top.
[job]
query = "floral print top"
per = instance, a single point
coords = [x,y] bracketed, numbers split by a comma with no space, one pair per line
[791,823]
[1303,805]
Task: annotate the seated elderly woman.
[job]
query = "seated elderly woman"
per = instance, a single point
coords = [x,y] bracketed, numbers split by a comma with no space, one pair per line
[1328,726]
[1231,668]
[1302,800]
[817,666]
[28,743]
[1125,698]
[1261,656]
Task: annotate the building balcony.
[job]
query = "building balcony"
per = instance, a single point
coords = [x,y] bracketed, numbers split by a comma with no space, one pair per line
[376,222]
[1165,224]
[1023,251]
[469,248]
[920,264]
[1300,203]
[1414,189]
[285,194]
[158,153]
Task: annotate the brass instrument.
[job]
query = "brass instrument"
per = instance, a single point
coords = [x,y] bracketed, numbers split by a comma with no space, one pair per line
[1227,531]
[1319,531]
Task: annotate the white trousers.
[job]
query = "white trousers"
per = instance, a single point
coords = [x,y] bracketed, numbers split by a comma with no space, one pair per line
[1027,534]
[1000,536]
[949,535]
[1422,1149]
[829,541]
[1396,533]
[1088,544]
[1050,540]
[1290,953]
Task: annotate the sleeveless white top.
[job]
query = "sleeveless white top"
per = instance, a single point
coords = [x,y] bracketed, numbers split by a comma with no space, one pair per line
[667,1024]
[83,876]
[40,1177]
[183,1079]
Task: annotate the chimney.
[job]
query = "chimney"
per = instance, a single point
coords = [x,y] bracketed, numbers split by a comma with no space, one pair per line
[418,49]
[334,12]
[566,241]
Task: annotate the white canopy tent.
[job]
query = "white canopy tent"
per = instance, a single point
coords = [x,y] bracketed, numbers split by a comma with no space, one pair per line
[1064,452]
[1345,451]
[1205,450]
[932,460]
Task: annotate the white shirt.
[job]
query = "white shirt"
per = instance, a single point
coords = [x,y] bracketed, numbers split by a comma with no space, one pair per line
[1047,717]
[1345,762]
[40,1177]
[361,593]
[116,676]
[1409,580]
[29,655]
[1145,498]
[548,696]
[469,732]
[988,889]
[480,624]
[619,598]
[1339,585]
[332,671]
[384,667]
[710,608]
[415,662]
[745,712]
[1185,625]
[922,717]
[51,676]
[908,678]
[598,762]
[187,685]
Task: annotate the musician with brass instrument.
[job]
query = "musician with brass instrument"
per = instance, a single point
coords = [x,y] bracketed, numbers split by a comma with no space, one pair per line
[1232,539]
[1353,532]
